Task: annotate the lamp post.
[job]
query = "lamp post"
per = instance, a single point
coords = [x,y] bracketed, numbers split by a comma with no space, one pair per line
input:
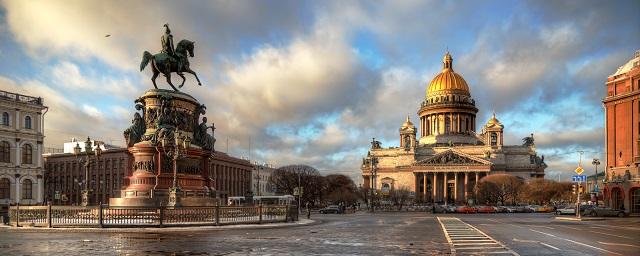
[175,150]
[89,155]
[374,161]
[596,162]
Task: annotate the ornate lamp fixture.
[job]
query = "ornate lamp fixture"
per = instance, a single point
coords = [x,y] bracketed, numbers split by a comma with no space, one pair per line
[87,159]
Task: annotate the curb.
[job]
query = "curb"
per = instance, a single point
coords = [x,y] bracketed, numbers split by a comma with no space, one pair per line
[580,219]
[299,223]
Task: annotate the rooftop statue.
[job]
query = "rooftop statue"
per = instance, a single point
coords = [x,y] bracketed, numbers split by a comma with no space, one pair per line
[170,59]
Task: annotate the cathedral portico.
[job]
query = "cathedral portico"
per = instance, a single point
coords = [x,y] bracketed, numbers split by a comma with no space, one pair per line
[449,158]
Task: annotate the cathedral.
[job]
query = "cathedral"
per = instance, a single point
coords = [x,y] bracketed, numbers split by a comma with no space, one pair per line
[449,157]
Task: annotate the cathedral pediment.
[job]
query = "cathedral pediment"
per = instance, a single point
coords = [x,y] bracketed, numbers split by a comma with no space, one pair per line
[453,157]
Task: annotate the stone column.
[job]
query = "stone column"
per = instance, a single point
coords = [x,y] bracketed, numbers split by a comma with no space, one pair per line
[435,186]
[466,182]
[446,186]
[424,185]
[455,187]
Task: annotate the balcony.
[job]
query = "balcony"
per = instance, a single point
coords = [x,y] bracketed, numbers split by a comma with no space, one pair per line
[21,98]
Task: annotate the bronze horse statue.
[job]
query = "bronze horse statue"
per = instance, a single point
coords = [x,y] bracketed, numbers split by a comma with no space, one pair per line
[166,64]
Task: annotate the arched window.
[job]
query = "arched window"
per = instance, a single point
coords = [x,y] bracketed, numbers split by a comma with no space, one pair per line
[407,142]
[27,154]
[4,188]
[27,122]
[5,153]
[494,139]
[5,118]
[27,189]
[447,125]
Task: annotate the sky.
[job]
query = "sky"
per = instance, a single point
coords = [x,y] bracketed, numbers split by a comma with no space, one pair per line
[312,82]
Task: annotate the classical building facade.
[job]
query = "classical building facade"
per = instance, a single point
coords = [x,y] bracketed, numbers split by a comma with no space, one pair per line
[449,157]
[260,180]
[64,175]
[21,146]
[622,136]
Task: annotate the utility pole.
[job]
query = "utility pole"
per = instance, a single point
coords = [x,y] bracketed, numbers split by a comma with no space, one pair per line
[579,187]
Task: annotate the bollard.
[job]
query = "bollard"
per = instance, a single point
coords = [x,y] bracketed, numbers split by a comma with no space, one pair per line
[100,216]
[49,215]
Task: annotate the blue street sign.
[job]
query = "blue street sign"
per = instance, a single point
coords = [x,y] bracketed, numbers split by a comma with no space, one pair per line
[596,189]
[579,178]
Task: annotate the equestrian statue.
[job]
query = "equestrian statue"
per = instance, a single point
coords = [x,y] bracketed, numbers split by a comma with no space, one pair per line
[170,59]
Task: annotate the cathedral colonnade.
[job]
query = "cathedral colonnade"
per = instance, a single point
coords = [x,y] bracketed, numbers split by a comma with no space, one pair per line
[430,185]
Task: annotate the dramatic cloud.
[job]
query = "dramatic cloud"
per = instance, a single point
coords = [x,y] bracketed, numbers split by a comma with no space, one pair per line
[312,82]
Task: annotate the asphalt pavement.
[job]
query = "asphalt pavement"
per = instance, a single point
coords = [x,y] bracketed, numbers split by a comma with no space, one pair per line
[353,234]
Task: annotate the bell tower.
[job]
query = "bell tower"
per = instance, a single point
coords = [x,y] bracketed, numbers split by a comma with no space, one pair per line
[408,135]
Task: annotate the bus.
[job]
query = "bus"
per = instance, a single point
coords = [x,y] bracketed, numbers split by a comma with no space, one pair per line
[264,200]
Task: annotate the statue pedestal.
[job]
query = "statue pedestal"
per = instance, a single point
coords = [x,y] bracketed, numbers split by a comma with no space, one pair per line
[151,172]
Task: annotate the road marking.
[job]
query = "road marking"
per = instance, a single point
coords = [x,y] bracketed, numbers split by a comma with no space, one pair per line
[572,228]
[550,246]
[575,242]
[541,226]
[466,238]
[617,244]
[603,233]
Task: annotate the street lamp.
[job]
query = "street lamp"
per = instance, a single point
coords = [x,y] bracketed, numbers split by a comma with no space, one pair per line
[89,156]
[596,162]
[175,150]
[373,161]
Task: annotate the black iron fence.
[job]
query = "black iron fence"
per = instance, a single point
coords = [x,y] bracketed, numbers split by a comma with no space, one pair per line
[105,216]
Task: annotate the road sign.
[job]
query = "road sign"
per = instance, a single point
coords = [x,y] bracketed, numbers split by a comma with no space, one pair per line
[596,189]
[579,170]
[579,178]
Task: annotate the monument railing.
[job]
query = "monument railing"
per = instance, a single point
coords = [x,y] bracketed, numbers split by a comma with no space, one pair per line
[104,216]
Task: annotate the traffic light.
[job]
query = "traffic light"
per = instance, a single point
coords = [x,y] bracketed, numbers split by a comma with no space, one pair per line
[573,189]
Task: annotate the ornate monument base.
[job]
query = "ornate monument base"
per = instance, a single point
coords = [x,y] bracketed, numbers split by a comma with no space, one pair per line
[160,142]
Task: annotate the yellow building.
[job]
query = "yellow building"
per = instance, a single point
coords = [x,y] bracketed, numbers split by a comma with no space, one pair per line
[449,157]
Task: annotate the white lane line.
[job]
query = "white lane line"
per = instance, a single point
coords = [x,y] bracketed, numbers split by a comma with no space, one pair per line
[550,246]
[617,244]
[541,226]
[575,242]
[603,233]
[572,228]
[463,236]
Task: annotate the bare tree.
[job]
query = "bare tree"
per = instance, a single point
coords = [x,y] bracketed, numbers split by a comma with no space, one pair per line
[286,178]
[340,188]
[499,188]
[400,196]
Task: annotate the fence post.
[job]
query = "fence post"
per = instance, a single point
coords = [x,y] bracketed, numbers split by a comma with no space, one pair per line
[49,215]
[260,214]
[161,215]
[17,214]
[286,217]
[100,216]
[217,214]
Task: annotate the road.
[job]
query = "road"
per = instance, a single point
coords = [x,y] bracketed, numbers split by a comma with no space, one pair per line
[356,234]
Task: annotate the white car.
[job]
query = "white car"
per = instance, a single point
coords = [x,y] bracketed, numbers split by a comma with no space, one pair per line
[568,210]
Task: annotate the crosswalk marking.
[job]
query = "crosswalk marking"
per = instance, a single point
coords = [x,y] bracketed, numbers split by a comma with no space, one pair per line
[467,239]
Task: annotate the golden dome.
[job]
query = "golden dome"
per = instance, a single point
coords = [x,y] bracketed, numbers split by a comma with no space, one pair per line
[493,121]
[448,80]
[408,124]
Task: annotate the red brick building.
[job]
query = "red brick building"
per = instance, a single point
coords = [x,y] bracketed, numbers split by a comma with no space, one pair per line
[64,176]
[622,136]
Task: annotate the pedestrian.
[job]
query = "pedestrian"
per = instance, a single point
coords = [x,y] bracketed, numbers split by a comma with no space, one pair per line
[308,211]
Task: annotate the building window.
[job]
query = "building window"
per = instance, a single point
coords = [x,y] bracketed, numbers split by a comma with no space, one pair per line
[27,189]
[27,154]
[5,118]
[4,188]
[5,153]
[447,124]
[635,200]
[494,139]
[27,122]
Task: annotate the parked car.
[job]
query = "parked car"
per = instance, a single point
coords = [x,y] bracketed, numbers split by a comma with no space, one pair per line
[465,209]
[604,212]
[501,209]
[485,209]
[585,207]
[451,208]
[566,211]
[330,209]
[545,208]
[511,209]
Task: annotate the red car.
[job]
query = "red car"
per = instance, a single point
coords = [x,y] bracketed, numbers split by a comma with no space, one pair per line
[465,209]
[486,209]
